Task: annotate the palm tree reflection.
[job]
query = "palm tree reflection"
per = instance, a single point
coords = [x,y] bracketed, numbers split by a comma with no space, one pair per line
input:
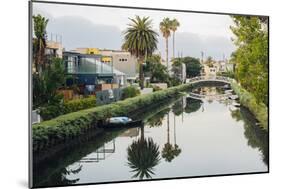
[143,156]
[169,151]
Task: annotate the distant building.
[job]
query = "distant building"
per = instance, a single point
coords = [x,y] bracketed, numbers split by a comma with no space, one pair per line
[88,70]
[122,61]
[54,49]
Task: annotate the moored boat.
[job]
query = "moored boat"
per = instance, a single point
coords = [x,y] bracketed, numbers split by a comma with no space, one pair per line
[120,122]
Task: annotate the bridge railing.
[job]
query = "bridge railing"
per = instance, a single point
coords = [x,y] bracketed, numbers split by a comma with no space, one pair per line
[210,78]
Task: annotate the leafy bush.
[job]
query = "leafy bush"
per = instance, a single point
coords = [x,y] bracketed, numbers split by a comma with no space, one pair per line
[57,108]
[248,100]
[156,88]
[52,132]
[79,104]
[45,85]
[129,92]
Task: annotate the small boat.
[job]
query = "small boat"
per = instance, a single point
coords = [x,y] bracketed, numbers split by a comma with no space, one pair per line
[228,91]
[236,104]
[121,122]
[233,97]
[226,87]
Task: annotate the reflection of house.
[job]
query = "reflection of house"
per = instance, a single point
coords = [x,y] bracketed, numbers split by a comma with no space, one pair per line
[87,69]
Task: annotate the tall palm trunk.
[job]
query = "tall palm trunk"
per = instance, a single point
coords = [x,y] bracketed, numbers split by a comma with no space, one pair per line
[167,53]
[168,129]
[141,76]
[173,44]
[142,133]
[175,129]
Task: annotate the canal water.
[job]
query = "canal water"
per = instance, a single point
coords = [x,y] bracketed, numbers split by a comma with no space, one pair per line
[184,138]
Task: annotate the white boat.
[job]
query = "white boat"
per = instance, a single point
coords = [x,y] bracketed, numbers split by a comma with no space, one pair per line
[236,104]
[233,97]
[123,120]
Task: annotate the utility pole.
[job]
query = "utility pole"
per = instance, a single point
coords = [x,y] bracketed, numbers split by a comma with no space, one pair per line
[202,57]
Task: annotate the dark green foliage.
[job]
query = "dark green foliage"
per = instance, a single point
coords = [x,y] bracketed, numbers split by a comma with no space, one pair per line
[193,66]
[45,85]
[143,156]
[58,108]
[157,72]
[39,42]
[79,104]
[248,100]
[73,124]
[257,137]
[156,88]
[140,40]
[192,105]
[229,74]
[169,152]
[251,56]
[129,92]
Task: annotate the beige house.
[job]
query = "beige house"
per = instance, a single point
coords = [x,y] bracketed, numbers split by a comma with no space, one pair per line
[122,61]
[54,49]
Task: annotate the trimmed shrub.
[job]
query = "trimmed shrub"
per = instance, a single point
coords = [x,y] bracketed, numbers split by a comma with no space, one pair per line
[248,100]
[129,92]
[52,132]
[55,110]
[79,104]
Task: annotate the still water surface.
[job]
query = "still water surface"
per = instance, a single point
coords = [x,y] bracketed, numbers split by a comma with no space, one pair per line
[187,137]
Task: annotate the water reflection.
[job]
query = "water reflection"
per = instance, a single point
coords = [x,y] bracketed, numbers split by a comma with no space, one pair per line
[169,151]
[257,137]
[157,119]
[174,133]
[143,156]
[192,105]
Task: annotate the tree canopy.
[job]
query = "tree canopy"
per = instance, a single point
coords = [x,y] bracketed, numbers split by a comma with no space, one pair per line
[192,65]
[140,40]
[251,56]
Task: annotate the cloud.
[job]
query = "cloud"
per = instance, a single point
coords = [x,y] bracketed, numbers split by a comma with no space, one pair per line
[80,32]
[191,44]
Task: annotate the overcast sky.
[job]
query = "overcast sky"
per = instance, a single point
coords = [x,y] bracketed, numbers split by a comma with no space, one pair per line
[88,26]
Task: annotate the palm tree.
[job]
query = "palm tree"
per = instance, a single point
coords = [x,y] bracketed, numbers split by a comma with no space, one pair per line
[40,24]
[140,40]
[165,28]
[143,156]
[174,26]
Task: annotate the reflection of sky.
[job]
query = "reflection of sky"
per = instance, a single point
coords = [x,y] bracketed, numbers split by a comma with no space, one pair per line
[212,142]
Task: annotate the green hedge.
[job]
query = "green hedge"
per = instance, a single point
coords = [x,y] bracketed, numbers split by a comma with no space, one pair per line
[58,130]
[55,110]
[129,92]
[248,100]
[79,104]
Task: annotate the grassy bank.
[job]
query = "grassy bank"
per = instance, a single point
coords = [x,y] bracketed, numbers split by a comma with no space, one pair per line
[52,132]
[259,110]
